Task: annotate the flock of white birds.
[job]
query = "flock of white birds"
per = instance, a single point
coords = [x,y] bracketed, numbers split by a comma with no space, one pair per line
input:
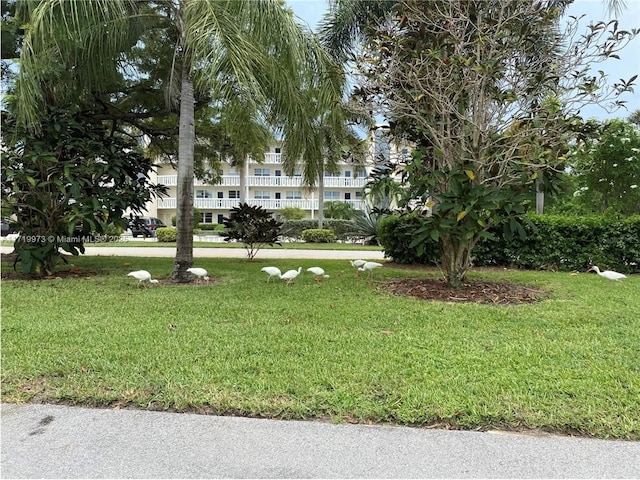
[318,273]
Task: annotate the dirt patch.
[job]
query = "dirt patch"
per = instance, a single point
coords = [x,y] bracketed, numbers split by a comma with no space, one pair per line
[472,292]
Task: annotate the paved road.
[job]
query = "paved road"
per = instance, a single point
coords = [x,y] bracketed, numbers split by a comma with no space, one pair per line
[46,441]
[228,252]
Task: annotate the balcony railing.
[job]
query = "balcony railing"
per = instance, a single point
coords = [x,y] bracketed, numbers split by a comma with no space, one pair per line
[269,204]
[271,181]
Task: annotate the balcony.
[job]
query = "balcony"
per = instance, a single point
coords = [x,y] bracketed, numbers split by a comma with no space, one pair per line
[344,182]
[269,204]
[295,182]
[226,181]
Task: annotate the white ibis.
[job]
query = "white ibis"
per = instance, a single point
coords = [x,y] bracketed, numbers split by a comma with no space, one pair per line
[357,264]
[318,273]
[369,267]
[142,276]
[200,273]
[290,275]
[608,274]
[272,272]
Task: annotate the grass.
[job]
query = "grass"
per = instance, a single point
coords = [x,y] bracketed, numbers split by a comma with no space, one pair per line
[343,349]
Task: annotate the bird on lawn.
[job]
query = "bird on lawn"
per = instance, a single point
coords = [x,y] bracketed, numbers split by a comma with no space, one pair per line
[142,276]
[357,264]
[290,275]
[368,267]
[318,273]
[608,274]
[200,273]
[272,272]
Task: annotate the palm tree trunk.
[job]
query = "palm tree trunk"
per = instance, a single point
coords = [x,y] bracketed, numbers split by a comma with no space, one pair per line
[184,213]
[321,198]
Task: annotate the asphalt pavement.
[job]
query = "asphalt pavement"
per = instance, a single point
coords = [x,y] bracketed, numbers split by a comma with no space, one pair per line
[48,441]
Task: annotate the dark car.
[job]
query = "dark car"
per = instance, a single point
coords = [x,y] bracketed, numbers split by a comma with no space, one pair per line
[6,229]
[145,226]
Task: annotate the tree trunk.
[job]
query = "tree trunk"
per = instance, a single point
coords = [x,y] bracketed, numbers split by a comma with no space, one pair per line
[539,196]
[456,260]
[184,212]
[321,198]
[242,170]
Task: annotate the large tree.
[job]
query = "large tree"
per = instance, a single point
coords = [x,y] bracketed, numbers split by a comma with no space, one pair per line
[225,49]
[488,95]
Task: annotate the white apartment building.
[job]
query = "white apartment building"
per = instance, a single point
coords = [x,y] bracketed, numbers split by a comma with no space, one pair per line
[266,185]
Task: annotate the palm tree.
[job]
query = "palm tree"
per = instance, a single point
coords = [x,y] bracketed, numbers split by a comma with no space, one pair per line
[252,49]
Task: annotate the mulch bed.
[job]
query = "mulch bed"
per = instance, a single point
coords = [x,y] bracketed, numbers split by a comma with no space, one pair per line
[472,292]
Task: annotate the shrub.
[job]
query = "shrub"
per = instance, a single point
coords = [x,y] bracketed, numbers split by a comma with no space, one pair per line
[550,242]
[341,228]
[292,213]
[166,234]
[252,225]
[339,210]
[318,235]
[396,234]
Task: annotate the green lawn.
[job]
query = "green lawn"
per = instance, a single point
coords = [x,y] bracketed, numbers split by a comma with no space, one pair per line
[343,349]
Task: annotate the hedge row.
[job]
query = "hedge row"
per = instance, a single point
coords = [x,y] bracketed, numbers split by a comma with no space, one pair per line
[294,228]
[551,242]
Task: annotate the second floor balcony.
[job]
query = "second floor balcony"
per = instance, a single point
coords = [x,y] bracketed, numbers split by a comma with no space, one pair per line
[270,181]
[271,204]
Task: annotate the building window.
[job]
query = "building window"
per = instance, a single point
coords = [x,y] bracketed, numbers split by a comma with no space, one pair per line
[204,194]
[329,174]
[331,195]
[207,217]
[347,173]
[347,195]
[261,195]
[234,193]
[233,171]
[278,150]
[359,195]
[295,195]
[297,172]
[361,172]
[261,172]
[220,194]
[220,218]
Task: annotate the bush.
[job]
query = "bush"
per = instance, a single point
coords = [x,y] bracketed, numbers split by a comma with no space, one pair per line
[166,234]
[252,225]
[551,242]
[292,213]
[339,210]
[318,235]
[342,229]
[396,233]
[215,227]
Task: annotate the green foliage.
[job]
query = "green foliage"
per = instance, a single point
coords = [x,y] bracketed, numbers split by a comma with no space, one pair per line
[339,210]
[252,225]
[318,235]
[166,234]
[216,227]
[397,234]
[68,182]
[366,226]
[607,168]
[292,213]
[341,228]
[550,242]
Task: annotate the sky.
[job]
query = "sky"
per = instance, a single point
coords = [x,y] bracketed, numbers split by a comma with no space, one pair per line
[311,11]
